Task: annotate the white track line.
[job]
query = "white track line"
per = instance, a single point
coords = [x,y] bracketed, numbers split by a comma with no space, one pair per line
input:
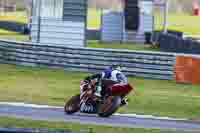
[17,104]
[28,105]
[150,117]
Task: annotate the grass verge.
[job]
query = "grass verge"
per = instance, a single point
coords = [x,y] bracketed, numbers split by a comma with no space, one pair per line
[185,23]
[18,16]
[15,36]
[94,19]
[53,87]
[181,22]
[129,46]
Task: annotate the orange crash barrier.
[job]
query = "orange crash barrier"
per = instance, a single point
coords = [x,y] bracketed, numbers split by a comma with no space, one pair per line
[183,69]
[196,71]
[187,69]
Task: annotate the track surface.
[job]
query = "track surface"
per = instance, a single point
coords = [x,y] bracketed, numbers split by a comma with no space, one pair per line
[57,115]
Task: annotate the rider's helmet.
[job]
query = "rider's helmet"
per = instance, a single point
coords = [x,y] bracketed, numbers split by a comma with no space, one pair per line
[117,67]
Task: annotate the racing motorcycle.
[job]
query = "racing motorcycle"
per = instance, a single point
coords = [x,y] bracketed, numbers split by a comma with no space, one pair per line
[112,97]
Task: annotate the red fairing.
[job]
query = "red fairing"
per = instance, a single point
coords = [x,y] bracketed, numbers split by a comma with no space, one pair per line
[120,90]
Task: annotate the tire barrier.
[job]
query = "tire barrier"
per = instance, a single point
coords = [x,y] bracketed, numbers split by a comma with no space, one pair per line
[175,33]
[156,36]
[173,43]
[148,36]
[21,28]
[93,34]
[26,130]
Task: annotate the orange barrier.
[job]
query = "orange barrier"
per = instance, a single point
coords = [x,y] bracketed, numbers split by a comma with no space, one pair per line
[196,71]
[183,69]
[187,69]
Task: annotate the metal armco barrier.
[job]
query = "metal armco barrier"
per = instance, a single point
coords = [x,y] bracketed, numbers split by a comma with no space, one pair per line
[155,65]
[23,130]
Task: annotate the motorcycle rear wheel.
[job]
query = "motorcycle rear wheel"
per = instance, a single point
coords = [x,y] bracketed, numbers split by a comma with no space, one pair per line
[110,106]
[72,105]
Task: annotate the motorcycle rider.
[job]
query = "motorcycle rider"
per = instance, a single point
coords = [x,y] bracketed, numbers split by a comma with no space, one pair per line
[112,73]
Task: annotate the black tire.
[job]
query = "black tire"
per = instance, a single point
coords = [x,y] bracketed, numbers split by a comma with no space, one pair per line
[72,105]
[110,106]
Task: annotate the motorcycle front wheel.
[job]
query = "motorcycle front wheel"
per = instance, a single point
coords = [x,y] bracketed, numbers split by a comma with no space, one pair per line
[110,106]
[72,105]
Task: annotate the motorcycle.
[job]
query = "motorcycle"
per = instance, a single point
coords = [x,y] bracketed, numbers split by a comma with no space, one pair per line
[113,95]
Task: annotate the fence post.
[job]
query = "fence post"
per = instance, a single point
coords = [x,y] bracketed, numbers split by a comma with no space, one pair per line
[166,16]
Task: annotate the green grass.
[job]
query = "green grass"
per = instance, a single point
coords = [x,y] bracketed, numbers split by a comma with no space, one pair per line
[181,22]
[129,46]
[8,35]
[94,19]
[19,16]
[185,23]
[53,87]
[20,123]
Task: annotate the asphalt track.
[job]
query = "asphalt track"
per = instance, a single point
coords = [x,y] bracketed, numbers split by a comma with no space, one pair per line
[52,114]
